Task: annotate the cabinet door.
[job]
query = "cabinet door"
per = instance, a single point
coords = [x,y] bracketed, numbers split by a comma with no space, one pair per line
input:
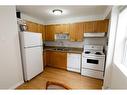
[44,58]
[96,26]
[59,59]
[56,59]
[65,28]
[57,28]
[79,31]
[76,32]
[29,26]
[101,26]
[49,34]
[43,32]
[61,28]
[39,28]
[32,27]
[88,26]
[73,62]
[72,32]
[47,58]
[106,23]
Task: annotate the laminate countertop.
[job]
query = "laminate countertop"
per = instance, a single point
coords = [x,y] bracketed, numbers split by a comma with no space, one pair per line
[63,49]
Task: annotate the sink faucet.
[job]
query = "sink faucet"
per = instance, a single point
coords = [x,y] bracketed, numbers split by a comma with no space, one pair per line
[62,43]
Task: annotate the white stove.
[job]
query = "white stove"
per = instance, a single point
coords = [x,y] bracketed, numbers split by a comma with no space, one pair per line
[93,50]
[93,60]
[91,53]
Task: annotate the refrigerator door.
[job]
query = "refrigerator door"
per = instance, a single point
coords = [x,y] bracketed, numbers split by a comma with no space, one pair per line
[32,39]
[33,62]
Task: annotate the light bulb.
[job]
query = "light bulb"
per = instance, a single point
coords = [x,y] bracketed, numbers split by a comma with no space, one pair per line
[57,12]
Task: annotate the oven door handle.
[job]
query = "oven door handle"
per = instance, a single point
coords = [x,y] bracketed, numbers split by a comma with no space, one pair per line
[92,61]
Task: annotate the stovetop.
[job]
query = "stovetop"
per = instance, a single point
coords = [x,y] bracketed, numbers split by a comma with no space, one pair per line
[93,53]
[93,50]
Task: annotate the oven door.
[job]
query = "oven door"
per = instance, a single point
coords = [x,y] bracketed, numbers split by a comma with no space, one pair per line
[95,63]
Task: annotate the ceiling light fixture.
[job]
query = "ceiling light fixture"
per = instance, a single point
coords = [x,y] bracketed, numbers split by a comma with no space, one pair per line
[57,12]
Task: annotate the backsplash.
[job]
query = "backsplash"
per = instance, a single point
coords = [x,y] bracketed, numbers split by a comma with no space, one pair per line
[88,41]
[64,44]
[95,41]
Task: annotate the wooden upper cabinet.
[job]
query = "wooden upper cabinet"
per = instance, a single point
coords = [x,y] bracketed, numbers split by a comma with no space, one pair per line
[76,32]
[65,28]
[57,28]
[61,28]
[79,32]
[101,26]
[49,33]
[96,26]
[88,26]
[31,26]
[72,32]
[35,27]
[39,28]
[43,32]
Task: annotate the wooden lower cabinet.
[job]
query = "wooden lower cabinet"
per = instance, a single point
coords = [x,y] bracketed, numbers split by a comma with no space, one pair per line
[44,59]
[56,59]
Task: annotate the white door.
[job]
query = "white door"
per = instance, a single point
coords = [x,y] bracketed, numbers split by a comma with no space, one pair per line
[32,39]
[73,62]
[34,63]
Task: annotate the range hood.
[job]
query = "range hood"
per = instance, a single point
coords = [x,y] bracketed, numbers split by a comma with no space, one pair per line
[97,34]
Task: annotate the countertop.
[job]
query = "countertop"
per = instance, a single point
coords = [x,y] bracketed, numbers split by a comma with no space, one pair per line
[63,49]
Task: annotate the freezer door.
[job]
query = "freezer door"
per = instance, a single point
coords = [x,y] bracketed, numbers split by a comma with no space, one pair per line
[33,62]
[32,39]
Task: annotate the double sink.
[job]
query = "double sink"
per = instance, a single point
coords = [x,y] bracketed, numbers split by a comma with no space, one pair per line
[65,49]
[62,49]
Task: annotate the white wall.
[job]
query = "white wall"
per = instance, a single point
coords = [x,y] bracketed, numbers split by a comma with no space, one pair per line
[116,73]
[62,21]
[31,18]
[110,52]
[119,77]
[76,19]
[10,59]
[119,70]
[67,20]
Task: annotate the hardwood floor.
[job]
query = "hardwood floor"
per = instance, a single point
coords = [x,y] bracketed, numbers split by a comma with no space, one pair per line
[71,79]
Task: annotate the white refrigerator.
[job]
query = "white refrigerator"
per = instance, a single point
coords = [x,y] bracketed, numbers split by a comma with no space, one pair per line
[32,54]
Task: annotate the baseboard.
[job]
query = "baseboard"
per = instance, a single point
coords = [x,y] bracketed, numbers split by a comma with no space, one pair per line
[104,88]
[74,70]
[16,85]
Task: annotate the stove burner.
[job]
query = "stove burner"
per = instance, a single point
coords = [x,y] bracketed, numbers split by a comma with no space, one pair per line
[98,53]
[87,52]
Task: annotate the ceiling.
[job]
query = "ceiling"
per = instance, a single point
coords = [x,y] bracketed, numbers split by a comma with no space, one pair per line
[45,12]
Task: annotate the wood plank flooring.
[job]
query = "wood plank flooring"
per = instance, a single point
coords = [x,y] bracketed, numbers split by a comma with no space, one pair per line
[71,79]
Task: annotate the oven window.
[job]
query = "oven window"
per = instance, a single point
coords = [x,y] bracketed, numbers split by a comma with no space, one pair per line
[92,61]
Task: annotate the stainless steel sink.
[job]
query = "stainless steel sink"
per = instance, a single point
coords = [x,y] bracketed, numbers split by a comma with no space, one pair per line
[62,49]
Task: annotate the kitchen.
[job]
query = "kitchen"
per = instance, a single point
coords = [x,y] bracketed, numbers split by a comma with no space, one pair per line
[73,51]
[64,45]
